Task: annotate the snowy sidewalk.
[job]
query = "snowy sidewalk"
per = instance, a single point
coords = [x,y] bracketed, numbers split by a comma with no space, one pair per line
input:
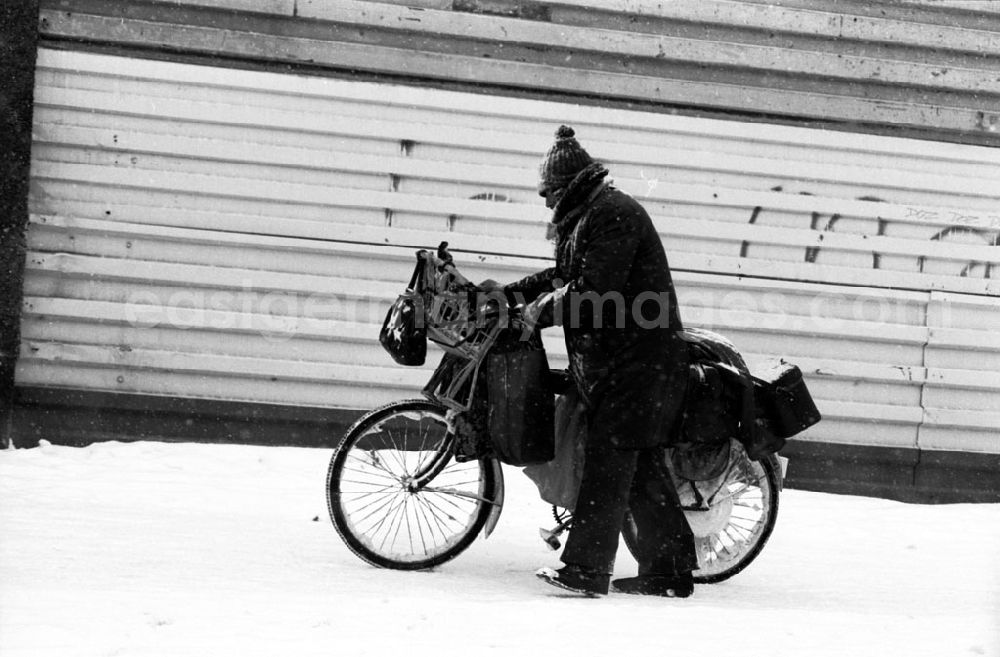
[160,549]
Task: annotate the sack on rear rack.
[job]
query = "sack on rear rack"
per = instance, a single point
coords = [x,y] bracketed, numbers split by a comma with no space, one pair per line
[701,451]
[521,407]
[784,401]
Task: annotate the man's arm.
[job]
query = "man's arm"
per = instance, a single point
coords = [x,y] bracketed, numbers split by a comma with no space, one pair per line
[531,287]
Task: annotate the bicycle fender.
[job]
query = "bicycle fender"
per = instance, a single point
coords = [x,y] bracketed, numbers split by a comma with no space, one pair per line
[494,517]
[780,468]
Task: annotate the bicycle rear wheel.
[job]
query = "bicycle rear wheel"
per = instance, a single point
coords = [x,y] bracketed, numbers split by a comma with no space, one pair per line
[731,516]
[378,499]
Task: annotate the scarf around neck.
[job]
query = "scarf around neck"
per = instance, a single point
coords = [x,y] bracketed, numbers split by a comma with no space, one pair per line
[574,201]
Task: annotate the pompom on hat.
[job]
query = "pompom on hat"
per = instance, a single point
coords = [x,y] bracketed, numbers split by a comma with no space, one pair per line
[564,160]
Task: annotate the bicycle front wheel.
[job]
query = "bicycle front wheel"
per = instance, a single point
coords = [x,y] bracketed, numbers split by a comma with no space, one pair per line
[397,497]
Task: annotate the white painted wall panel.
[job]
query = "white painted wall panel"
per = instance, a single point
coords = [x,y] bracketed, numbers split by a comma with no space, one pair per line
[962,395]
[132,306]
[237,235]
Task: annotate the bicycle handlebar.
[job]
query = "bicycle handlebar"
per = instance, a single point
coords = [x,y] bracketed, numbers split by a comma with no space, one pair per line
[444,262]
[444,255]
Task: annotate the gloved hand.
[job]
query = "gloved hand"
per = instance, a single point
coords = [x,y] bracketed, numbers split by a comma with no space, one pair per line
[542,312]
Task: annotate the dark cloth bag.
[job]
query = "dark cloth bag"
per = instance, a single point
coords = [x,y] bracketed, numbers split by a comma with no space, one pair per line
[708,422]
[403,333]
[753,427]
[521,407]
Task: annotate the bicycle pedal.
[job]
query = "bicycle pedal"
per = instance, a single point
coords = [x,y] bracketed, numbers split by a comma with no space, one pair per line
[550,537]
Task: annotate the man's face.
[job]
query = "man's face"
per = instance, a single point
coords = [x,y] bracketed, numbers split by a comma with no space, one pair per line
[551,195]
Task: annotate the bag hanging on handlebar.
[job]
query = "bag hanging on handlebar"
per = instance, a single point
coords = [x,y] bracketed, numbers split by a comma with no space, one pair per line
[521,407]
[403,332]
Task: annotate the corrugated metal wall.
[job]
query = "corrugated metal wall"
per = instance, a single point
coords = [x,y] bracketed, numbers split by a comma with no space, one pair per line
[217,233]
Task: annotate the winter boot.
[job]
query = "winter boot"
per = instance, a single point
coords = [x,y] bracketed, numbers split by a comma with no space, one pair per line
[668,586]
[577,579]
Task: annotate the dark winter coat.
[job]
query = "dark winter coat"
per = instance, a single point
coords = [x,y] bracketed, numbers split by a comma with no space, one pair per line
[631,368]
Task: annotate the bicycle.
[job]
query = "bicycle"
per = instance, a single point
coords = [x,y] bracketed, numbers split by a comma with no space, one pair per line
[399,498]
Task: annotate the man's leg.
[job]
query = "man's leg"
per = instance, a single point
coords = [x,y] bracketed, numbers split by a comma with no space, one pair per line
[666,543]
[600,507]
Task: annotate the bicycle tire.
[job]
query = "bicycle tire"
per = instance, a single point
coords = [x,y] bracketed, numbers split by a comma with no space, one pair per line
[370,444]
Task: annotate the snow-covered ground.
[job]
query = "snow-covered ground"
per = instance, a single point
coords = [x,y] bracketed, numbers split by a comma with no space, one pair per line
[160,549]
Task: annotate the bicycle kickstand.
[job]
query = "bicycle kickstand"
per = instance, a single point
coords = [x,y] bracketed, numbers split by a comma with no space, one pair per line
[551,536]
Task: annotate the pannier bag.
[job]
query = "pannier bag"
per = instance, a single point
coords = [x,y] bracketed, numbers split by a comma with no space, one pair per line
[521,407]
[752,426]
[784,401]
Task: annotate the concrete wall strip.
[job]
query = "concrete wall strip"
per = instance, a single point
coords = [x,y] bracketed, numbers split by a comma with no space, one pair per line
[972,11]
[672,49]
[926,73]
[821,22]
[943,115]
[279,7]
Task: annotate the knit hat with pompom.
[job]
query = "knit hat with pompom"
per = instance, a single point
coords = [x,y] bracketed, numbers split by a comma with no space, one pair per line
[564,160]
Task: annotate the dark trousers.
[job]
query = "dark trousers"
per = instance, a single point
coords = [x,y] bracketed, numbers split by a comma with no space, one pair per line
[615,480]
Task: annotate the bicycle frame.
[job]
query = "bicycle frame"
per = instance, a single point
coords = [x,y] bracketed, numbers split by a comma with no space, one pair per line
[421,479]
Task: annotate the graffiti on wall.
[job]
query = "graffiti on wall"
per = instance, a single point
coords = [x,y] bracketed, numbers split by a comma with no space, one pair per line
[959,231]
